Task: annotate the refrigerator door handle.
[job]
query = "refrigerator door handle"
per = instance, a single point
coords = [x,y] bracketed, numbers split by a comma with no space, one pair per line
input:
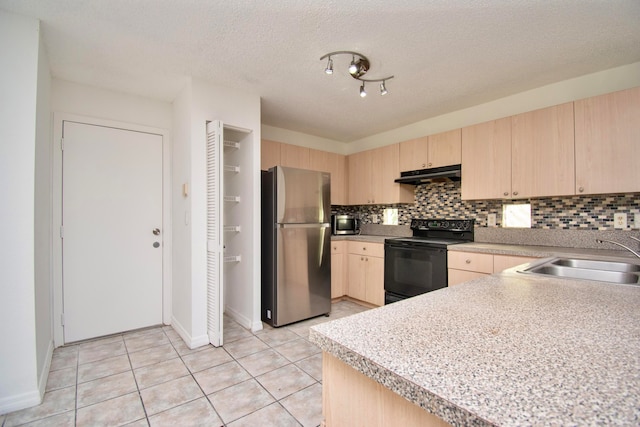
[317,225]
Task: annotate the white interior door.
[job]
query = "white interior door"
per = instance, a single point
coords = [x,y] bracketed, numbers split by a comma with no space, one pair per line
[112,236]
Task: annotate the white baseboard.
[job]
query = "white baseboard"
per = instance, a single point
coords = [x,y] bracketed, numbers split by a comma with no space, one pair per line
[42,381]
[243,320]
[19,401]
[31,398]
[257,326]
[191,342]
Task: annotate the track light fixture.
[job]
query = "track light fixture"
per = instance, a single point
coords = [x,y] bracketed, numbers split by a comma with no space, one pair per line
[357,68]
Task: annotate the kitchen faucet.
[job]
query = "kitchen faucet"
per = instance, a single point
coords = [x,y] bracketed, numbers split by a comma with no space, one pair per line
[621,245]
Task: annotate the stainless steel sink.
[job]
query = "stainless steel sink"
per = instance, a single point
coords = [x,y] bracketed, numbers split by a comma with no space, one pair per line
[585,269]
[598,265]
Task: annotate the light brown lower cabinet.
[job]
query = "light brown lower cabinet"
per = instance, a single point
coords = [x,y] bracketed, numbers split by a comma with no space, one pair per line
[365,265]
[338,269]
[465,266]
[350,398]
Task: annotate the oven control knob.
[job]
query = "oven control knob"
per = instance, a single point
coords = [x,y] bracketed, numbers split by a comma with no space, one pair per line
[445,224]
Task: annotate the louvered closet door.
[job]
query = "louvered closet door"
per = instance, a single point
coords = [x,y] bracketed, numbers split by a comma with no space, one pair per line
[215,186]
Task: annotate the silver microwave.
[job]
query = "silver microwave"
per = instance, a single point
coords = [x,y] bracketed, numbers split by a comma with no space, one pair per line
[344,224]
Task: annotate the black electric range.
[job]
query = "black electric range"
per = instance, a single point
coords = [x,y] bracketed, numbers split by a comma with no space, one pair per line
[418,264]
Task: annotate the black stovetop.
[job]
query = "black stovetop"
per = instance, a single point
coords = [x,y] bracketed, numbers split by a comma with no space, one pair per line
[438,232]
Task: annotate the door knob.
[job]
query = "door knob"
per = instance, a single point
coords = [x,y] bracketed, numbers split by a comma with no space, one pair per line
[156,231]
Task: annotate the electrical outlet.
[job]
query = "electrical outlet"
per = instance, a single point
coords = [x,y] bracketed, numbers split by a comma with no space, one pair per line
[491,220]
[620,220]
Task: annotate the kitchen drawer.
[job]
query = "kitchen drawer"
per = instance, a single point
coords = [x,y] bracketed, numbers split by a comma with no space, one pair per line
[471,261]
[338,247]
[364,248]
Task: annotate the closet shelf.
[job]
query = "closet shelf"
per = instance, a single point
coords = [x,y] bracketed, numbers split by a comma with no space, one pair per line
[231,144]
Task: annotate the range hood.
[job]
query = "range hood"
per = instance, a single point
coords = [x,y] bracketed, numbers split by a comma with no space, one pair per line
[422,176]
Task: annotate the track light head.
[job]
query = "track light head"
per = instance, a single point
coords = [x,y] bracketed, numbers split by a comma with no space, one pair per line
[383,89]
[353,67]
[329,69]
[363,92]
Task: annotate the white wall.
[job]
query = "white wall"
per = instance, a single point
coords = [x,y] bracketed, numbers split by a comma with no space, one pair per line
[43,223]
[75,98]
[236,108]
[303,139]
[242,110]
[619,78]
[110,108]
[19,40]
[599,83]
[181,153]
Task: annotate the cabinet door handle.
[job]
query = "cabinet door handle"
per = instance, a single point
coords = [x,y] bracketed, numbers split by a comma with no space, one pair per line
[430,164]
[515,193]
[361,258]
[581,189]
[468,261]
[424,164]
[506,193]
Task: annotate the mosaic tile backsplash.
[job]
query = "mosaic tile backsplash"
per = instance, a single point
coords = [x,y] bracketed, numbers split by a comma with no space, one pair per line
[443,200]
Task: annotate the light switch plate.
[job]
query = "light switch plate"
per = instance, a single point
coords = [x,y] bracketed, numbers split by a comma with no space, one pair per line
[620,220]
[374,218]
[491,220]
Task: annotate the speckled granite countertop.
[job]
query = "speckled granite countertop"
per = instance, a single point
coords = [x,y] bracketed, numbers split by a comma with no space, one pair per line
[537,251]
[505,350]
[361,238]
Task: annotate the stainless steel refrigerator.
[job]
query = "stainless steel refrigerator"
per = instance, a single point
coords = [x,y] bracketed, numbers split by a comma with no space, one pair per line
[296,243]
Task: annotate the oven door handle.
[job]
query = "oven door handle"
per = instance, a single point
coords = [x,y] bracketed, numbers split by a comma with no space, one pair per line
[410,247]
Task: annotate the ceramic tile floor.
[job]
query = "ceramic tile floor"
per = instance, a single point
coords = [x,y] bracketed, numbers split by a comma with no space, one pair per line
[150,377]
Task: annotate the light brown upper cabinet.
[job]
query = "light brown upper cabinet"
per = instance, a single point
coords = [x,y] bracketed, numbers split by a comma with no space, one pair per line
[608,143]
[523,156]
[294,156]
[486,160]
[274,153]
[360,184]
[542,152]
[269,154]
[336,165]
[371,177]
[442,149]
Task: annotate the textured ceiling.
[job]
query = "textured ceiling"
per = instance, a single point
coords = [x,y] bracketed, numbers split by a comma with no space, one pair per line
[445,54]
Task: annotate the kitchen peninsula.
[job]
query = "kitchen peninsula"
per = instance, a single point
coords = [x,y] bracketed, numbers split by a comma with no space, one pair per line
[504,350]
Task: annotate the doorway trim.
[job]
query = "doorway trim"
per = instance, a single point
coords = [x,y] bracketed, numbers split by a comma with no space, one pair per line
[56,182]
